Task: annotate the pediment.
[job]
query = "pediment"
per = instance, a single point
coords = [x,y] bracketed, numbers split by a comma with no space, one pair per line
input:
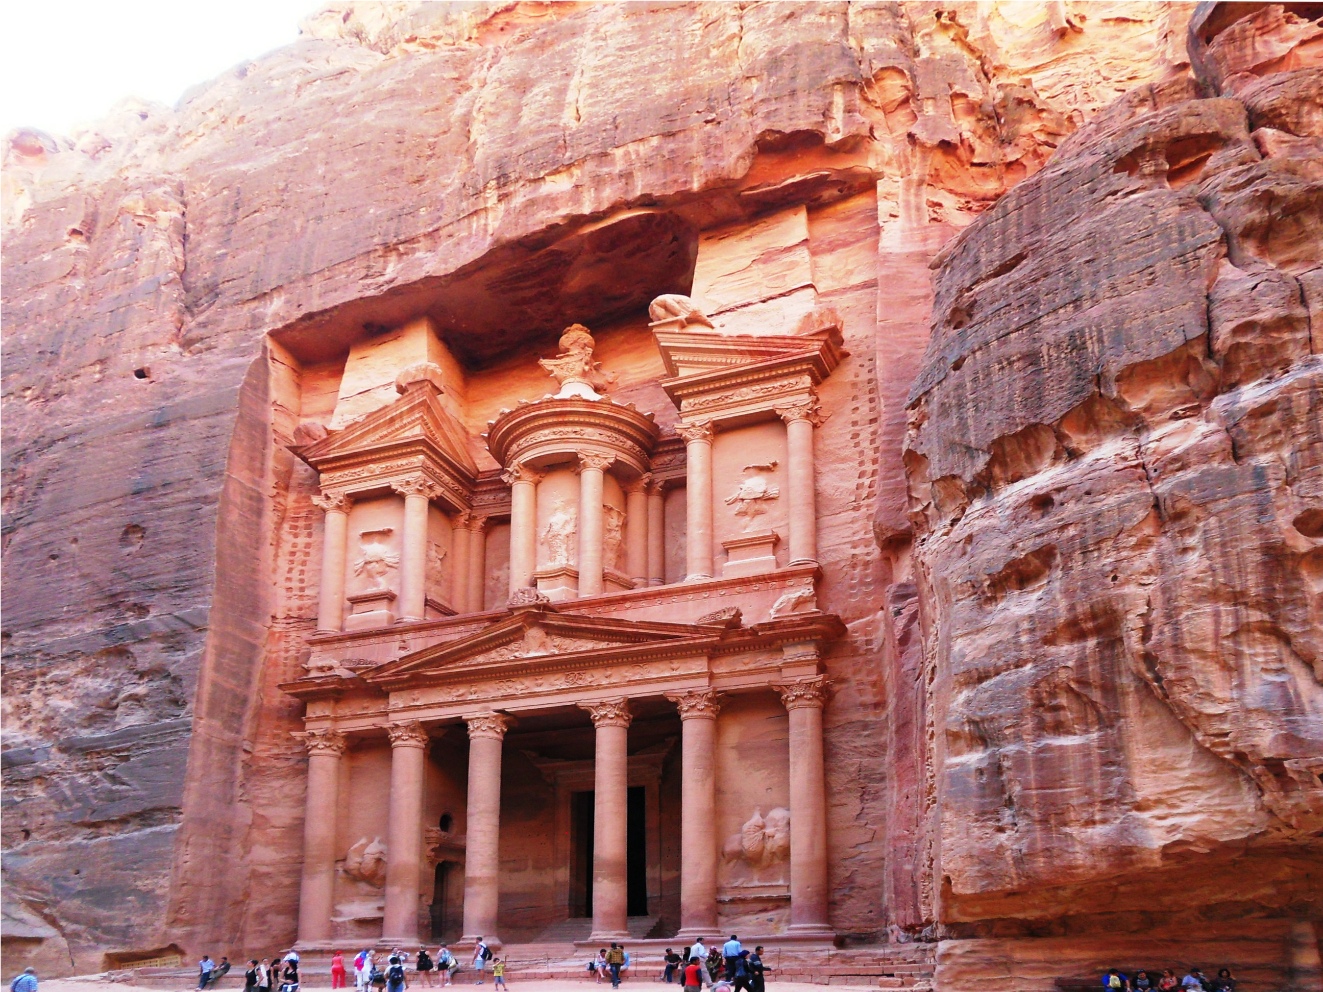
[536,636]
[688,353]
[416,418]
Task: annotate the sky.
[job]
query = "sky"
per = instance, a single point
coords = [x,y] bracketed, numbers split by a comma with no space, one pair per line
[64,63]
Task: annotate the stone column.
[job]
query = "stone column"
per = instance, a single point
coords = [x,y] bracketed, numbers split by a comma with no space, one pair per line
[801,419]
[698,499]
[610,819]
[592,470]
[404,844]
[522,481]
[656,534]
[636,530]
[698,811]
[335,537]
[418,494]
[317,889]
[460,562]
[482,859]
[808,806]
[477,564]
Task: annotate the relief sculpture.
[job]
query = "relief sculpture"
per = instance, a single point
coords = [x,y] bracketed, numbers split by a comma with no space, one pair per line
[366,862]
[761,845]
[376,561]
[559,534]
[613,534]
[751,498]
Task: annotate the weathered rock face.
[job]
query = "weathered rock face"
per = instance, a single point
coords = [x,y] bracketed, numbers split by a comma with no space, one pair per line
[1116,470]
[1139,411]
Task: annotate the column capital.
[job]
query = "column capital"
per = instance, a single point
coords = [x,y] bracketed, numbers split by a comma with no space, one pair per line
[696,704]
[517,472]
[609,712]
[333,502]
[409,734]
[477,523]
[461,519]
[639,485]
[324,742]
[599,462]
[808,409]
[699,430]
[417,486]
[493,725]
[804,693]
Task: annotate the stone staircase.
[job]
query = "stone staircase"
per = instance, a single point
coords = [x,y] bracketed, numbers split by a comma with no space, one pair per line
[577,928]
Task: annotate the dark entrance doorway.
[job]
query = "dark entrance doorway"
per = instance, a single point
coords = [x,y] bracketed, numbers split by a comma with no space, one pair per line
[443,880]
[581,852]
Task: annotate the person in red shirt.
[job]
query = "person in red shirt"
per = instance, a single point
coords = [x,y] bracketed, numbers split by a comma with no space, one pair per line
[337,970]
[693,975]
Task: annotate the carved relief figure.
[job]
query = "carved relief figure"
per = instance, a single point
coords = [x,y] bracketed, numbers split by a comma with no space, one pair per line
[375,561]
[559,534]
[672,305]
[753,493]
[366,862]
[761,842]
[613,533]
[799,600]
[436,556]
[575,365]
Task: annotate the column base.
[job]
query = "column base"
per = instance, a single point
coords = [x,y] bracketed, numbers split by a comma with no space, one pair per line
[471,940]
[691,934]
[598,936]
[802,561]
[700,577]
[816,930]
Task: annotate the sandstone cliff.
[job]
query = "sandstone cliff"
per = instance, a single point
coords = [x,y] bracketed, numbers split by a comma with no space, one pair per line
[400,152]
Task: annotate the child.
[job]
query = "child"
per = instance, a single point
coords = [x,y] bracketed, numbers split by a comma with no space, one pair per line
[498,972]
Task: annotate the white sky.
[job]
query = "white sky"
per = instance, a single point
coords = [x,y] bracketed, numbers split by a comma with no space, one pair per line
[67,62]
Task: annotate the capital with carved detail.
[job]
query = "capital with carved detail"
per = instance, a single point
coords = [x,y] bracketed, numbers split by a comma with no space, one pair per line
[803,693]
[417,486]
[477,523]
[333,502]
[808,409]
[493,725]
[609,712]
[324,742]
[520,473]
[696,704]
[462,519]
[700,430]
[639,485]
[589,460]
[409,734]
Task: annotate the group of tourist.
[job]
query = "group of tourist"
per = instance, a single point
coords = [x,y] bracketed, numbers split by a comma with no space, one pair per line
[369,976]
[1194,981]
[723,969]
[274,973]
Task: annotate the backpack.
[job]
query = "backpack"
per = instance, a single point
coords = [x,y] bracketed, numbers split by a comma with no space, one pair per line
[359,960]
[396,973]
[486,953]
[424,961]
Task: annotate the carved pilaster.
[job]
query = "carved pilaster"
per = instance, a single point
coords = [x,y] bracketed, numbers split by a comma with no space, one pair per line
[697,704]
[609,712]
[409,734]
[493,725]
[699,430]
[804,693]
[324,742]
[333,502]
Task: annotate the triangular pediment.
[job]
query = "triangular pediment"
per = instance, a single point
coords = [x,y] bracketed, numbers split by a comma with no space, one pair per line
[530,635]
[417,417]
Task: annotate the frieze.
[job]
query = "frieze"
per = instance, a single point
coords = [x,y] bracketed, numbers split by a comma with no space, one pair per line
[745,394]
[559,435]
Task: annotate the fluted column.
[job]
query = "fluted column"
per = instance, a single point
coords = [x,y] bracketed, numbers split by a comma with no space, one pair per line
[477,564]
[417,493]
[610,819]
[317,888]
[522,481]
[335,536]
[408,751]
[804,700]
[592,471]
[636,530]
[698,810]
[801,419]
[482,857]
[698,499]
[656,534]
[460,562]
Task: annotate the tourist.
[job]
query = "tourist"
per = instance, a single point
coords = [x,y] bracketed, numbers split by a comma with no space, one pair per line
[1168,981]
[396,978]
[290,977]
[601,968]
[264,976]
[1224,982]
[337,970]
[615,957]
[624,968]
[714,965]
[740,974]
[498,973]
[481,955]
[756,966]
[672,961]
[26,982]
[220,971]
[693,975]
[205,967]
[1115,980]
[250,976]
[730,956]
[1142,982]
[446,964]
[424,966]
[360,975]
[1194,980]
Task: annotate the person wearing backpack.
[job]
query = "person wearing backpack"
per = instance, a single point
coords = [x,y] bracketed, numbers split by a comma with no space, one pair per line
[615,960]
[26,982]
[481,955]
[446,964]
[423,965]
[396,979]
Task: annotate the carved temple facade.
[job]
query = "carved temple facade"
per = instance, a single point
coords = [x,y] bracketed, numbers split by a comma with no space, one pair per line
[584,652]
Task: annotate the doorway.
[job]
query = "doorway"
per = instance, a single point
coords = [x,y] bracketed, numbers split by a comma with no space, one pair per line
[442,881]
[582,816]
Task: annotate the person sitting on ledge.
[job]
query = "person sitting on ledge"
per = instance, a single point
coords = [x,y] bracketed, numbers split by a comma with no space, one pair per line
[1168,981]
[1224,982]
[1195,980]
[1115,980]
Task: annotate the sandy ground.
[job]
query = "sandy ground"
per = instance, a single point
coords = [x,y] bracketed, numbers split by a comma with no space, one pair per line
[92,983]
